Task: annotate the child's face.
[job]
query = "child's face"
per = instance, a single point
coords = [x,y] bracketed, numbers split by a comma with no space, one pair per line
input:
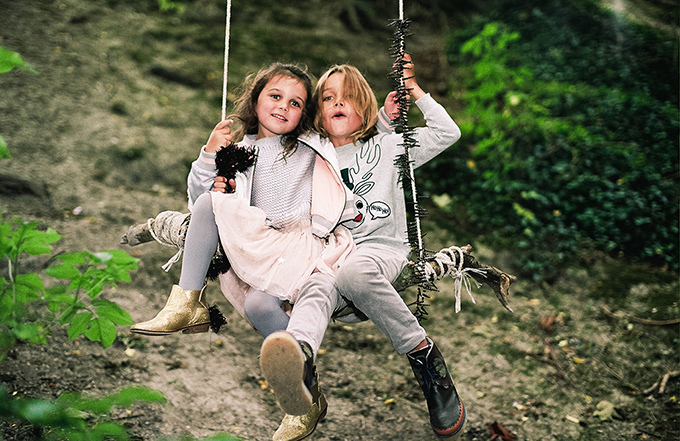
[279,106]
[340,119]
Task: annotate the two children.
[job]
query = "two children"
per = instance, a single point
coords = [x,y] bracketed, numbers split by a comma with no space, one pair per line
[280,225]
[327,276]
[348,118]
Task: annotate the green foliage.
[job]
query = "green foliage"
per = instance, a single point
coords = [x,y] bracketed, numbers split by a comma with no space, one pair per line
[10,60]
[573,140]
[4,151]
[72,416]
[27,306]
[169,5]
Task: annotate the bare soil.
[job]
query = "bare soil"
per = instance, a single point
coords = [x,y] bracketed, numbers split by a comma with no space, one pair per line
[102,137]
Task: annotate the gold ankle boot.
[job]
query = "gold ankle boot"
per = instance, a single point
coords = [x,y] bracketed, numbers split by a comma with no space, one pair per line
[184,311]
[297,427]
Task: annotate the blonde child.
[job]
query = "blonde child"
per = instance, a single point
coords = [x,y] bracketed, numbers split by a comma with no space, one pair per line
[278,227]
[349,118]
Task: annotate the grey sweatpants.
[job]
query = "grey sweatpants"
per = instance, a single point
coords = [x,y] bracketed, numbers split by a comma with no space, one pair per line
[365,280]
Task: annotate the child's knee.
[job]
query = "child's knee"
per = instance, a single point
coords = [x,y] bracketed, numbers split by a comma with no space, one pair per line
[203,202]
[258,304]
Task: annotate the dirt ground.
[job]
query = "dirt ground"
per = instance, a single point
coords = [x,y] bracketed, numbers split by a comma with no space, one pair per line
[102,137]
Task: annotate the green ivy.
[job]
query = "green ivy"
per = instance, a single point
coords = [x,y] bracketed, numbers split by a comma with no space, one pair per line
[570,144]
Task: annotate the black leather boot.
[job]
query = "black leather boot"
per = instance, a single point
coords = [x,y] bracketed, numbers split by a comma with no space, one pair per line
[447,413]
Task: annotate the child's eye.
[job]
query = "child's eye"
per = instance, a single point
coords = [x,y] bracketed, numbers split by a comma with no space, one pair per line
[276,96]
[295,104]
[327,98]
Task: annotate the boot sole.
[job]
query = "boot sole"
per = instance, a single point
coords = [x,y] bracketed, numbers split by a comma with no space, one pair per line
[283,365]
[457,434]
[193,329]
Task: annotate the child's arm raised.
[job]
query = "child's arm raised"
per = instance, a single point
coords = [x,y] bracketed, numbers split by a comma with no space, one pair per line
[440,131]
[220,136]
[203,170]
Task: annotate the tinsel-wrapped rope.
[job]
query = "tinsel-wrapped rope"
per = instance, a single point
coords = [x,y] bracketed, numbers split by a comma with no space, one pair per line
[404,163]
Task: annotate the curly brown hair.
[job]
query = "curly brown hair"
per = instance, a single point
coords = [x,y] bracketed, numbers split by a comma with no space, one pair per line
[245,109]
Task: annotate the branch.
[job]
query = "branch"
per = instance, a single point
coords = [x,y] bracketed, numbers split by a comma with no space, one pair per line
[169,228]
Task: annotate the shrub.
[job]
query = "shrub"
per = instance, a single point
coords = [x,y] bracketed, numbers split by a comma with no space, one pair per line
[560,156]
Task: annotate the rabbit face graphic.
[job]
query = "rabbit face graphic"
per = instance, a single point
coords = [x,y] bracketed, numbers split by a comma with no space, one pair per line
[359,179]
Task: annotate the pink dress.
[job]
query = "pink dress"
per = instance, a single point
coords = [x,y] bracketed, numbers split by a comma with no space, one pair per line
[276,261]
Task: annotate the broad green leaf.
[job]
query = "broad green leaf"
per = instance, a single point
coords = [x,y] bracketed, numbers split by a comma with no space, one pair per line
[102,330]
[107,430]
[79,324]
[28,331]
[28,287]
[40,412]
[9,60]
[72,258]
[129,395]
[97,406]
[112,311]
[63,271]
[38,242]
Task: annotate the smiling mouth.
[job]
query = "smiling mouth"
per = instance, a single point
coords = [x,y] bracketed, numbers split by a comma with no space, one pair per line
[279,117]
[358,218]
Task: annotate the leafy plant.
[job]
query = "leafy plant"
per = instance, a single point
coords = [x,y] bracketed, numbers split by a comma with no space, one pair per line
[8,61]
[572,145]
[76,304]
[72,416]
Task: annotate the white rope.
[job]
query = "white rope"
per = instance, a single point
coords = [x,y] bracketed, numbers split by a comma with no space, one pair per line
[169,229]
[446,261]
[227,31]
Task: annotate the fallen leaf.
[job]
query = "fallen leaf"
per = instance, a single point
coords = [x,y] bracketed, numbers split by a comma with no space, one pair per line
[499,432]
[606,411]
[548,324]
[573,419]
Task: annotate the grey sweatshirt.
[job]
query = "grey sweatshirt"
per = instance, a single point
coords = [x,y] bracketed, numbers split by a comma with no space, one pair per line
[368,169]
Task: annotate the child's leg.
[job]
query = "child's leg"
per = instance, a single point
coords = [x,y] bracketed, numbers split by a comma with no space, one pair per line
[287,358]
[185,309]
[200,244]
[365,280]
[313,309]
[264,312]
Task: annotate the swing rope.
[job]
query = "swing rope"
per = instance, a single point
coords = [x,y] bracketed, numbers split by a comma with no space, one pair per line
[227,31]
[404,164]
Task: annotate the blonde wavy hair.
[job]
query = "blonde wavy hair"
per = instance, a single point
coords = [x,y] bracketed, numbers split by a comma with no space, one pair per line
[355,89]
